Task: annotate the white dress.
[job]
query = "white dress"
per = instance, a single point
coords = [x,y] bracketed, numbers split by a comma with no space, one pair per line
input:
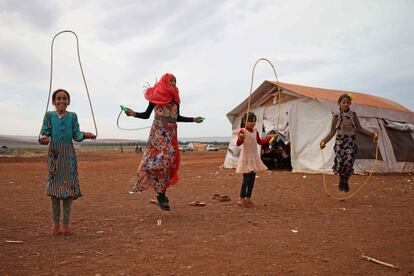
[249,160]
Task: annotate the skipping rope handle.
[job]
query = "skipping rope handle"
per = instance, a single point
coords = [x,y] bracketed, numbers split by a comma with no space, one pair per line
[43,140]
[322,145]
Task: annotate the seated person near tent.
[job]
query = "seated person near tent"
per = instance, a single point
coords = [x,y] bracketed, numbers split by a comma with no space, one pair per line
[276,153]
[345,123]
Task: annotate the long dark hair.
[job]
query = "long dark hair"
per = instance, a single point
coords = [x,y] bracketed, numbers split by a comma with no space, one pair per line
[57,91]
[251,118]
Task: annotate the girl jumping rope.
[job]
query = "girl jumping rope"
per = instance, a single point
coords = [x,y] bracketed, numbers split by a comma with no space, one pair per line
[345,123]
[159,165]
[58,129]
[249,162]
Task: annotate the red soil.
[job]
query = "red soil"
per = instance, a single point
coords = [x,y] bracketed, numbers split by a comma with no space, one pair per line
[293,229]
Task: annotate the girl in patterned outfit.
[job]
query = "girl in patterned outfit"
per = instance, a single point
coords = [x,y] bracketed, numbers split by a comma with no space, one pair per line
[159,165]
[59,128]
[249,161]
[345,123]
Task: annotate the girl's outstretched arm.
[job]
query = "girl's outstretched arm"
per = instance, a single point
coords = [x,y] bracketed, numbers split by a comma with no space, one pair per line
[184,119]
[240,138]
[142,115]
[360,129]
[261,141]
[46,130]
[77,135]
[332,131]
[47,125]
[147,113]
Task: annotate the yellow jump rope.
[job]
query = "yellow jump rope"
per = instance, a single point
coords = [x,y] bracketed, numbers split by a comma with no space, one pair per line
[359,188]
[277,94]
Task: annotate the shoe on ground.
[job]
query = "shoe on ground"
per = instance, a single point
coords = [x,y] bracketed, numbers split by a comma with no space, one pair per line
[346,187]
[341,186]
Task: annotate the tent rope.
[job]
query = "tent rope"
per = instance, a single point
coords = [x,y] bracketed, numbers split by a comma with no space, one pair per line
[363,184]
[83,76]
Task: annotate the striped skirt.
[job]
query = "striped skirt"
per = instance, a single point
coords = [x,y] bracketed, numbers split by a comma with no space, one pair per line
[345,151]
[63,171]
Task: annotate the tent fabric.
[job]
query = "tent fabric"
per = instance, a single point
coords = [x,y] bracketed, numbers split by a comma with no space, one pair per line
[363,104]
[333,95]
[399,126]
[304,116]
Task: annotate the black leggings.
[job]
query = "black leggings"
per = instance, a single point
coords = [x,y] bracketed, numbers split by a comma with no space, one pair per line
[247,185]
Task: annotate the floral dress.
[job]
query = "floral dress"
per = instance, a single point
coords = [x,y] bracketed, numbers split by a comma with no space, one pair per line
[159,166]
[63,180]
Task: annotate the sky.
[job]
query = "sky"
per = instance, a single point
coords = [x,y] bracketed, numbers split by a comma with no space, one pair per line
[210,46]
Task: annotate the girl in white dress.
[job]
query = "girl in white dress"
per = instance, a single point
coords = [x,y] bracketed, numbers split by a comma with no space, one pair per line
[249,162]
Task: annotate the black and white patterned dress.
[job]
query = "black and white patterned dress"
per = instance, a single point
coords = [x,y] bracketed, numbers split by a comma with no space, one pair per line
[345,147]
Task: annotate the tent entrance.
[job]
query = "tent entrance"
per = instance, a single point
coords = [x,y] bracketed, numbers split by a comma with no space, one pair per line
[276,155]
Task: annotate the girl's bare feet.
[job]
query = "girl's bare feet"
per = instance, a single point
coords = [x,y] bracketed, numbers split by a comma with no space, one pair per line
[241,202]
[66,230]
[248,203]
[55,230]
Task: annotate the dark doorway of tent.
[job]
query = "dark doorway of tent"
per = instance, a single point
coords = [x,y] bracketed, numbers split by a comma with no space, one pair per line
[276,154]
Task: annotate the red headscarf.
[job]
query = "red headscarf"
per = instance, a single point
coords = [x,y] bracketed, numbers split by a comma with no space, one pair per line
[162,92]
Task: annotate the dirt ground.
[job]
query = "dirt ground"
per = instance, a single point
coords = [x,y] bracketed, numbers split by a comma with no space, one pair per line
[294,228]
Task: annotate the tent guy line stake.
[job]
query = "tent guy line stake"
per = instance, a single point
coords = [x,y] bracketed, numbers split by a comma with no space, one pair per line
[83,76]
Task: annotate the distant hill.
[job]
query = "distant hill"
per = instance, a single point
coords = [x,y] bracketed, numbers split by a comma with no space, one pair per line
[14,141]
[219,139]
[11,141]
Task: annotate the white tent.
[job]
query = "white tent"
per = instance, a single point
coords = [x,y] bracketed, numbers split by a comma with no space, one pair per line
[304,115]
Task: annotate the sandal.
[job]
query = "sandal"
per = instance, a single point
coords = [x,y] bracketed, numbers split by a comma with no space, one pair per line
[225,198]
[197,203]
[221,198]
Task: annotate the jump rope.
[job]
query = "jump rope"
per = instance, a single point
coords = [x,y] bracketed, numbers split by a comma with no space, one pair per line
[83,77]
[359,188]
[124,108]
[278,95]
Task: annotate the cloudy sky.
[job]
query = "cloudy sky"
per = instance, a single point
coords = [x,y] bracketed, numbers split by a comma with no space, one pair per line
[211,46]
